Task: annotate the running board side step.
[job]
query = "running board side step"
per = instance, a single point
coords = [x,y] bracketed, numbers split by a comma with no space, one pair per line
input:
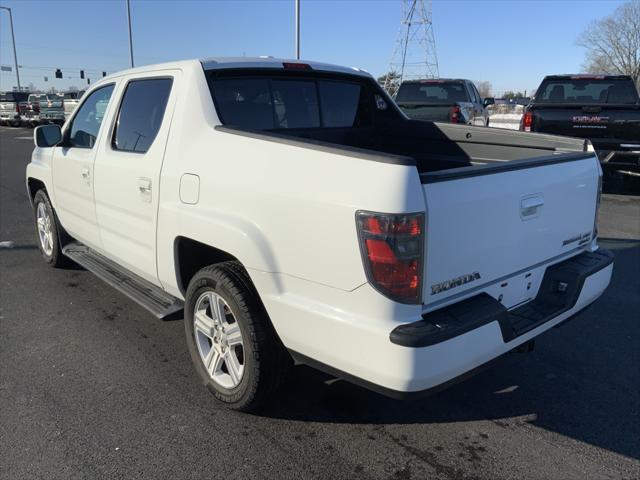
[162,305]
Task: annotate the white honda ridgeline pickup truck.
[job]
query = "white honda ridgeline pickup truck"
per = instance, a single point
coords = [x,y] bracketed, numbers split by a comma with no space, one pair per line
[294,212]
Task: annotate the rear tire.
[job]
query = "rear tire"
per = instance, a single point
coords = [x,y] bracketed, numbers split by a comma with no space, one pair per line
[47,230]
[232,343]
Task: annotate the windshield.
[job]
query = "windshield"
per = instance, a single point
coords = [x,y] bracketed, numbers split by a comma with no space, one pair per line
[436,91]
[587,90]
[283,102]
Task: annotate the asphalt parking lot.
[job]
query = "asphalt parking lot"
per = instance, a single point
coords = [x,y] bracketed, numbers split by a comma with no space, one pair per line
[92,386]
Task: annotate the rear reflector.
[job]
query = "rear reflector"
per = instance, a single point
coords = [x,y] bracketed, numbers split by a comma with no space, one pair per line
[392,252]
[296,66]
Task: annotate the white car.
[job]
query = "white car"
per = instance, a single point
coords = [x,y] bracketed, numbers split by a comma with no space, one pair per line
[292,211]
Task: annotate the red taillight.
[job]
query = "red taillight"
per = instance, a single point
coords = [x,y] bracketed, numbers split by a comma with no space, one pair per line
[455,115]
[526,124]
[392,250]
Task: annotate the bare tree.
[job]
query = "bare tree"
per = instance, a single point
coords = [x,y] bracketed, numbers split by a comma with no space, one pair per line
[613,43]
[484,88]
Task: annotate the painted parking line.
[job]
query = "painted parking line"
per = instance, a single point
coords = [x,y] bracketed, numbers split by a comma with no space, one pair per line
[7,244]
[23,138]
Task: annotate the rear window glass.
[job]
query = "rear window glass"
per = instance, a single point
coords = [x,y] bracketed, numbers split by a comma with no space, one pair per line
[295,103]
[13,97]
[587,91]
[432,92]
[278,103]
[339,103]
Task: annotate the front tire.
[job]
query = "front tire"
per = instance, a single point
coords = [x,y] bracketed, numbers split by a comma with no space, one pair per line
[47,230]
[232,343]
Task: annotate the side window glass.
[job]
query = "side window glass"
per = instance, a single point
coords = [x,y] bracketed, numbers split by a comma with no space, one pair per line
[86,123]
[472,92]
[478,96]
[141,114]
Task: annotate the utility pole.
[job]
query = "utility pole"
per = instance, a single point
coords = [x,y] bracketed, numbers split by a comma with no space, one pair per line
[130,37]
[13,38]
[297,2]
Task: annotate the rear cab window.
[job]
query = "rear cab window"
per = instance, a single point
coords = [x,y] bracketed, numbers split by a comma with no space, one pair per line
[432,91]
[276,101]
[581,90]
[13,97]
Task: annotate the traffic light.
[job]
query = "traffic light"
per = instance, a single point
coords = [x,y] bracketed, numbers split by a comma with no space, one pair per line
[58,73]
[88,81]
[82,74]
[104,74]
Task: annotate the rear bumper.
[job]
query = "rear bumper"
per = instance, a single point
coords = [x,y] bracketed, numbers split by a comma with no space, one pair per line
[448,344]
[559,292]
[33,117]
[9,116]
[52,116]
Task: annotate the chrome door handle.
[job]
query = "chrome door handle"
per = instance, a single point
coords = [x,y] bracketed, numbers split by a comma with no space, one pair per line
[144,187]
[86,175]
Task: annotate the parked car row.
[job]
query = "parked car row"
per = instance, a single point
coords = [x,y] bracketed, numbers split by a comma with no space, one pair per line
[605,109]
[31,109]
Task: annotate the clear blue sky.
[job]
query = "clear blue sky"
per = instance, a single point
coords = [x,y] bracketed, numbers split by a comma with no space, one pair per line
[511,43]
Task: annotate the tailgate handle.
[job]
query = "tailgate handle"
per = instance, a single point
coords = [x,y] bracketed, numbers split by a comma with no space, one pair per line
[530,206]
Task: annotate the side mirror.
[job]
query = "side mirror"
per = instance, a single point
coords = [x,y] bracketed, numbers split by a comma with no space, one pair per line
[489,101]
[46,136]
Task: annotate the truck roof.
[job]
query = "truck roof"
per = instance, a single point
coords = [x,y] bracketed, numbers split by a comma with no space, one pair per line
[219,63]
[586,76]
[215,63]
[436,80]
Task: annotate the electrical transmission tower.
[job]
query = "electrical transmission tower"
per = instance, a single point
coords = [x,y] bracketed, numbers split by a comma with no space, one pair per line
[415,53]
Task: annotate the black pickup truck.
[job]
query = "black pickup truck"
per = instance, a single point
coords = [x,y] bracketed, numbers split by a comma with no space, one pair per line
[603,108]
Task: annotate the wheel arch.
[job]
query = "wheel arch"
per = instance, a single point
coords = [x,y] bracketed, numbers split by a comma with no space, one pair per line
[33,185]
[191,255]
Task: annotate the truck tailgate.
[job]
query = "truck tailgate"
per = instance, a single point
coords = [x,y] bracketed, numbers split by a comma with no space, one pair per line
[592,121]
[427,113]
[486,225]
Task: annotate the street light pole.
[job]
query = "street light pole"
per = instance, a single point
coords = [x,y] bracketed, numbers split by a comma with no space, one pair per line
[13,38]
[297,29]
[130,37]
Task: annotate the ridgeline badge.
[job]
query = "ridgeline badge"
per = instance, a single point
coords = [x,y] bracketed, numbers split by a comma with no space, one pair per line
[454,282]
